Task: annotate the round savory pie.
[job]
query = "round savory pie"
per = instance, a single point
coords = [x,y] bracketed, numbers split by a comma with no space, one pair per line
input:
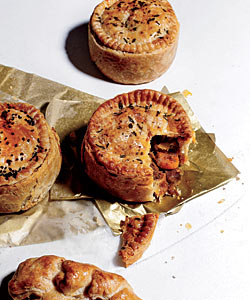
[30,157]
[135,144]
[133,42]
[54,278]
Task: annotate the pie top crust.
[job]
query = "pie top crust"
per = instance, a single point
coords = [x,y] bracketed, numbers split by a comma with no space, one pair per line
[55,278]
[135,26]
[137,233]
[24,141]
[120,131]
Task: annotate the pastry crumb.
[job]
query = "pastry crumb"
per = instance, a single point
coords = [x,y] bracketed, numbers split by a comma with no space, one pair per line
[188,226]
[222,231]
[186,93]
[172,257]
[221,201]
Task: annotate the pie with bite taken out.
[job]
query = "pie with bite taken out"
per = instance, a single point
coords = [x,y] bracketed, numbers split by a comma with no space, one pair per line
[133,42]
[135,144]
[137,233]
[30,157]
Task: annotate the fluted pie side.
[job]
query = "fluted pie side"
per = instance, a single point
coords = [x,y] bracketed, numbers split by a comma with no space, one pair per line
[133,42]
[30,157]
[135,144]
[55,278]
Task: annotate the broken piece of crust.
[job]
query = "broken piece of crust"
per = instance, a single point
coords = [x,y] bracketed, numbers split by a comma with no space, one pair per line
[54,278]
[137,233]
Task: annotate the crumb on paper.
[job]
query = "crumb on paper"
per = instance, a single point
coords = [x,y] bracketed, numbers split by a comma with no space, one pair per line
[180,225]
[186,93]
[188,226]
[222,231]
[237,178]
[172,257]
[221,201]
[173,277]
[98,221]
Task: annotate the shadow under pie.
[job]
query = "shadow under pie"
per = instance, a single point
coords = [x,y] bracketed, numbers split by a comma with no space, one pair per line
[73,182]
[4,287]
[77,50]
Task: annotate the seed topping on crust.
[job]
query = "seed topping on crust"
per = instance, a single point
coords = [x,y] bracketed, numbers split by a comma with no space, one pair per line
[135,26]
[22,143]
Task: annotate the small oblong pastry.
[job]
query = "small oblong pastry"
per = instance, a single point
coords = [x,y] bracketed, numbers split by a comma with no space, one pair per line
[54,278]
[133,42]
[30,157]
[137,233]
[135,144]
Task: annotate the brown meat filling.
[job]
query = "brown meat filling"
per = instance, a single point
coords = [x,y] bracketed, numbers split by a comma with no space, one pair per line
[165,164]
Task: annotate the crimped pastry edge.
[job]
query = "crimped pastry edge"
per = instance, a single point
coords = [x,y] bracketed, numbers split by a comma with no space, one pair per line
[146,47]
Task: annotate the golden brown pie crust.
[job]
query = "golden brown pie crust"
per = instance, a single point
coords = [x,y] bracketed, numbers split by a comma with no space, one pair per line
[133,42]
[117,146]
[54,278]
[137,233]
[30,157]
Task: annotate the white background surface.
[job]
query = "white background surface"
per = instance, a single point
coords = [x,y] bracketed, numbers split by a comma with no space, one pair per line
[212,259]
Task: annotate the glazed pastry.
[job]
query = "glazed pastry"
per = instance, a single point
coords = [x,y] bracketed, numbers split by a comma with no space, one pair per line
[137,233]
[54,278]
[135,144]
[133,42]
[30,157]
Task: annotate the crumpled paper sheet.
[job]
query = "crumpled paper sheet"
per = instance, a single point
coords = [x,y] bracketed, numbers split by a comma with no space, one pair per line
[69,110]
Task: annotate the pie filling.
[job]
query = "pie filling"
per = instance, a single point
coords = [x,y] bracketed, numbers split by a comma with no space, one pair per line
[165,152]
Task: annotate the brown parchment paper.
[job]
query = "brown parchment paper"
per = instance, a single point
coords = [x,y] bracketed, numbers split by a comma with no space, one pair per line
[69,110]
